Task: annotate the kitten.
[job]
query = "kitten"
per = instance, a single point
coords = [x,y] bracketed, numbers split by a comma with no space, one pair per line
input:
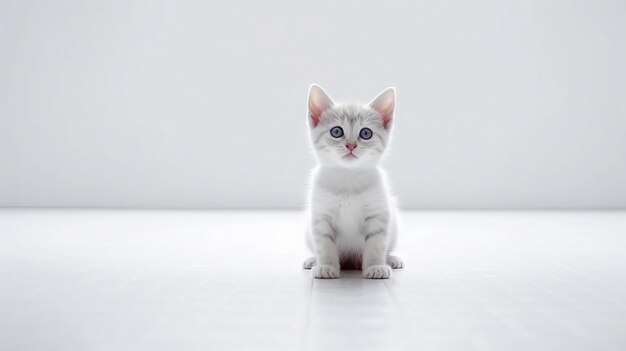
[351,215]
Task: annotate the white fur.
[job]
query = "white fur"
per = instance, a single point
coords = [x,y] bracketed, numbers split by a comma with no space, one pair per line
[352,218]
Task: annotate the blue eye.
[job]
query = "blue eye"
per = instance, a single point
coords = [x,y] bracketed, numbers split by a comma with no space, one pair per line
[366,134]
[336,132]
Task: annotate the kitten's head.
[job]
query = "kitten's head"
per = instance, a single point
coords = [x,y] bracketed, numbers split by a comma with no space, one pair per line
[350,135]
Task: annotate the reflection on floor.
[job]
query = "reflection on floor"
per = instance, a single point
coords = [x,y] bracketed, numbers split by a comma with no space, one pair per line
[200,280]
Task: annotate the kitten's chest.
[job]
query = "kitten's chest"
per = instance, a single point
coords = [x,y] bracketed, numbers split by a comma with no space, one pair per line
[349,214]
[347,198]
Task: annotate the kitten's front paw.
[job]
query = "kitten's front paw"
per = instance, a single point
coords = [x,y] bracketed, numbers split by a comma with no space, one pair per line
[395,262]
[309,262]
[325,271]
[377,271]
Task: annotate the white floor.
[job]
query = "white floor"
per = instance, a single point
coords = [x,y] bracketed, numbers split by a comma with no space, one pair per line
[197,280]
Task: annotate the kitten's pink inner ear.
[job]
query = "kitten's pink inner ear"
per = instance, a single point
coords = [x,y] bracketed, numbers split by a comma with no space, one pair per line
[319,102]
[315,114]
[384,104]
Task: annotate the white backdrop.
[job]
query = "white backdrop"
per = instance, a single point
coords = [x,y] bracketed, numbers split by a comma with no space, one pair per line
[501,104]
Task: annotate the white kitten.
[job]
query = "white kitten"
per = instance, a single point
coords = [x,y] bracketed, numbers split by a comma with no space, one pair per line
[351,215]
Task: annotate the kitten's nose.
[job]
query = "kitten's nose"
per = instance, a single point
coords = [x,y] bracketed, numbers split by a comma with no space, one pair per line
[351,146]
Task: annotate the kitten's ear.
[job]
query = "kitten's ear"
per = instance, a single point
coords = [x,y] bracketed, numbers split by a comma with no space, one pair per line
[319,101]
[385,103]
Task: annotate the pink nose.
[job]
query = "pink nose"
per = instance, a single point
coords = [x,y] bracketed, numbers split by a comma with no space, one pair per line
[351,147]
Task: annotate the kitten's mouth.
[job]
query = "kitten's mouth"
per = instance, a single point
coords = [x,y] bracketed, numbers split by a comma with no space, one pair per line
[350,156]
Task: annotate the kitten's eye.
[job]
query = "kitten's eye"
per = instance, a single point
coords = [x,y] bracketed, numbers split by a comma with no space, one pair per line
[336,132]
[366,133]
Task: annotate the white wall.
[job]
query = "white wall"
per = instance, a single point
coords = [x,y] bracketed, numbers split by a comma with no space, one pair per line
[511,104]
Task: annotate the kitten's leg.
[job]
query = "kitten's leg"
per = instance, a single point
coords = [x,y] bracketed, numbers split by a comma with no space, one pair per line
[375,247]
[374,257]
[395,262]
[309,262]
[326,253]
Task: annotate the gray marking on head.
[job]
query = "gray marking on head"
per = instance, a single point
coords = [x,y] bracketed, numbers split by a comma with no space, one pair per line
[381,139]
[318,138]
